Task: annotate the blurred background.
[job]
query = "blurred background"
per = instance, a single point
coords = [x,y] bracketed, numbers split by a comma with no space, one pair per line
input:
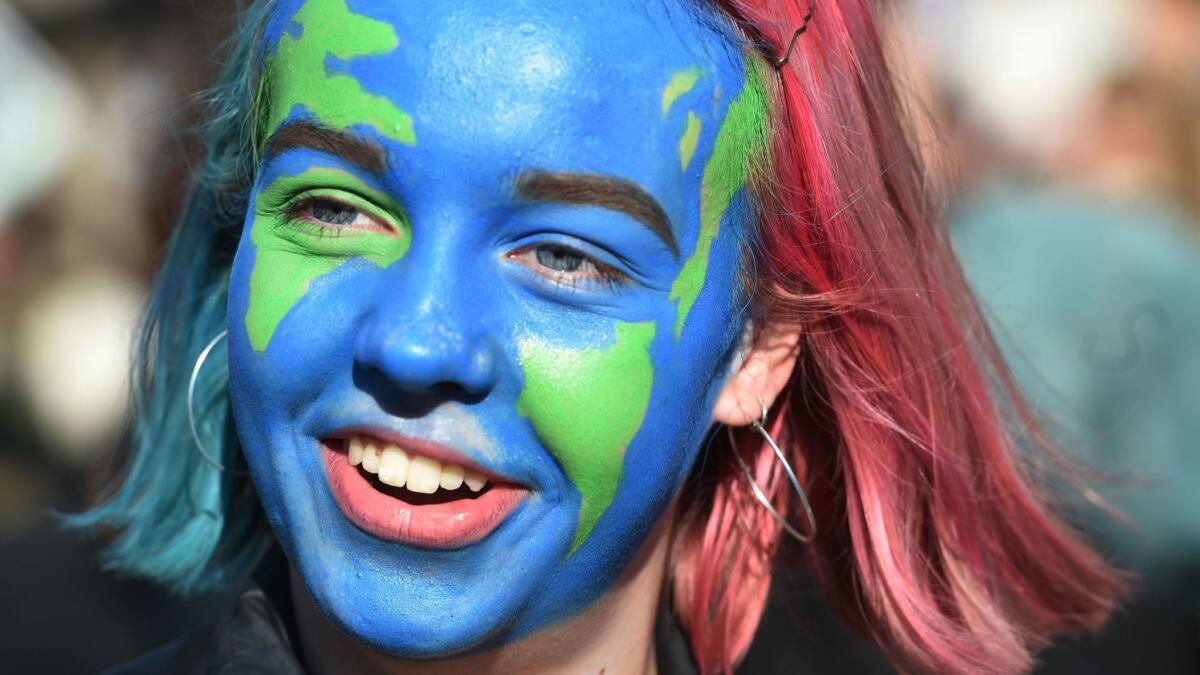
[1066,134]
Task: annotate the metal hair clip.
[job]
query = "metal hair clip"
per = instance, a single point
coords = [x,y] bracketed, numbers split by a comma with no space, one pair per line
[782,61]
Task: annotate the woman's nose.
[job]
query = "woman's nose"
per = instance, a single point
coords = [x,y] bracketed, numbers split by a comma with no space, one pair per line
[431,343]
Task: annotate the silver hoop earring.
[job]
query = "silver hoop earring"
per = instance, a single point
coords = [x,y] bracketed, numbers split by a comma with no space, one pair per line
[191,394]
[759,426]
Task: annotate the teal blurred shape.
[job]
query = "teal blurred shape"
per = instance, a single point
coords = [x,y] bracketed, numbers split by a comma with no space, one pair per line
[1096,305]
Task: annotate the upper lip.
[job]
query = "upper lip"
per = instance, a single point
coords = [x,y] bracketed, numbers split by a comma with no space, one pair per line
[430,449]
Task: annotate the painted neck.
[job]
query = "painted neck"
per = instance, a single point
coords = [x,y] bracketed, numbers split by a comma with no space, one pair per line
[614,636]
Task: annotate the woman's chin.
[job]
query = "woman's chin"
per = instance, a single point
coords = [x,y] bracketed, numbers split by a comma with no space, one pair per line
[437,624]
[424,603]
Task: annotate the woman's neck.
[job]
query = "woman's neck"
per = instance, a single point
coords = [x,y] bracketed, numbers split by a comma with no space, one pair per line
[615,636]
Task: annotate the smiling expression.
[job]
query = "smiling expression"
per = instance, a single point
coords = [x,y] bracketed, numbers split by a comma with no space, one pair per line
[502,236]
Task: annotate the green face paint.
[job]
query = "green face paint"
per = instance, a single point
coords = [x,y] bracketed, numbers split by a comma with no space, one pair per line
[689,140]
[741,140]
[680,84]
[290,254]
[587,405]
[298,72]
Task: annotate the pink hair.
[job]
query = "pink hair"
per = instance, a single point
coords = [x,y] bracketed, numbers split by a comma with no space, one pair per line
[934,537]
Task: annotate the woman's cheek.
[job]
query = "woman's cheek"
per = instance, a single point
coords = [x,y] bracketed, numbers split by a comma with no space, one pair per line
[300,312]
[279,280]
[586,406]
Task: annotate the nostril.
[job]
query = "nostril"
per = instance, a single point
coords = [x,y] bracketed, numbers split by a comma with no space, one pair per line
[407,399]
[453,391]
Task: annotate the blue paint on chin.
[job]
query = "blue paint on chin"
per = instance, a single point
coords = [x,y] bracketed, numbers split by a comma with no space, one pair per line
[494,89]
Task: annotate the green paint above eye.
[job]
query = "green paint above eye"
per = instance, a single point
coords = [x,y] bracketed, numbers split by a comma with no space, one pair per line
[586,406]
[297,73]
[289,256]
[689,140]
[679,84]
[741,141]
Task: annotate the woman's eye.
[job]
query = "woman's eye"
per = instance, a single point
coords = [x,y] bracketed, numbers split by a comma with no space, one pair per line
[333,214]
[567,266]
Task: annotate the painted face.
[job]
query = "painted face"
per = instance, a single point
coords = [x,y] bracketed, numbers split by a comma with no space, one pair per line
[491,256]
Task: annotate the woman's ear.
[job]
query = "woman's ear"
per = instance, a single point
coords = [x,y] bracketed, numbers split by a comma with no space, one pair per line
[762,374]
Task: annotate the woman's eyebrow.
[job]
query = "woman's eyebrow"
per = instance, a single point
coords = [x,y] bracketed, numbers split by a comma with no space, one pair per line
[302,134]
[584,189]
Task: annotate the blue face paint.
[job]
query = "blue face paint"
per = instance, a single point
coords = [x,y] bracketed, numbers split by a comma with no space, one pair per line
[455,291]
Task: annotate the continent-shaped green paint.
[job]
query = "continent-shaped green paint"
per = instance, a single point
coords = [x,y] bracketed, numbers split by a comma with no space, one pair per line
[679,84]
[587,405]
[741,140]
[288,258]
[297,73]
[689,140]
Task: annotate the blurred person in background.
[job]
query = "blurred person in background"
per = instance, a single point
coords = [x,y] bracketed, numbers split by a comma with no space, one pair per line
[1074,127]
[1075,142]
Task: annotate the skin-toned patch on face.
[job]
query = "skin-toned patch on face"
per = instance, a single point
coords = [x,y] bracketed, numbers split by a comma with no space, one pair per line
[298,72]
[290,253]
[741,140]
[681,83]
[587,405]
[689,140]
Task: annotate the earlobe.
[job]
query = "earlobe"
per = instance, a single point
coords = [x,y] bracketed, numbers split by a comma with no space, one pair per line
[761,372]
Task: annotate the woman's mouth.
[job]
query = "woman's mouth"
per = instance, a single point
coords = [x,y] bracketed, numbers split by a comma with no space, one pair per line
[416,493]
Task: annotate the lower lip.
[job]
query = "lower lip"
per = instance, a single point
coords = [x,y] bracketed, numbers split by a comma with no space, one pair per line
[449,525]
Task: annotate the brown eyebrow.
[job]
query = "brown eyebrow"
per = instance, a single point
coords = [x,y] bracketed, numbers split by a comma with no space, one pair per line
[300,134]
[584,189]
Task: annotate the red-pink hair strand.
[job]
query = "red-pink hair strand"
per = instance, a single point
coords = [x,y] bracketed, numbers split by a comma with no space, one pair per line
[915,447]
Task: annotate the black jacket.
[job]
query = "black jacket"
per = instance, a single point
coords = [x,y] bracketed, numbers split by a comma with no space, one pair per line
[799,634]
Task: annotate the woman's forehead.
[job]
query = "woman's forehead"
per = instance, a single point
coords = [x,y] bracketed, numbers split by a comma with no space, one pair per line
[572,83]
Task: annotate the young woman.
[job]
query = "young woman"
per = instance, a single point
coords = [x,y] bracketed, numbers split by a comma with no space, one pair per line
[520,299]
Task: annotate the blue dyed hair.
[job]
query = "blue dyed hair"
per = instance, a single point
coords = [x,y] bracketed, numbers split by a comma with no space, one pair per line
[178,520]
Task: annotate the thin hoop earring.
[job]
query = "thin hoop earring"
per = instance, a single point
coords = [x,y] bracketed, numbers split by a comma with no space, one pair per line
[759,426]
[191,394]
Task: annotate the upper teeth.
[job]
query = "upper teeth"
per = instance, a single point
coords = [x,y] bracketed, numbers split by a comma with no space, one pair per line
[418,473]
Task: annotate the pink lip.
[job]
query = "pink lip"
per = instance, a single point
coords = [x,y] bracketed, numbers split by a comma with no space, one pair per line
[449,525]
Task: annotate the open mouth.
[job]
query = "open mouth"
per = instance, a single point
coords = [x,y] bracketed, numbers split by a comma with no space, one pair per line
[416,493]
